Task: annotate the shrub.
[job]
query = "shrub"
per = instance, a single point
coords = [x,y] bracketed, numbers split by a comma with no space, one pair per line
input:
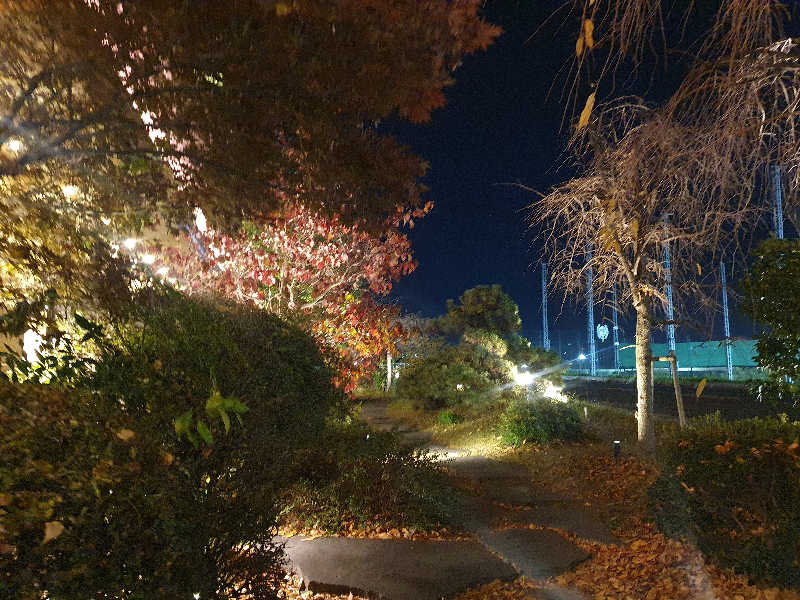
[734,488]
[219,400]
[442,379]
[357,476]
[127,518]
[539,421]
[448,417]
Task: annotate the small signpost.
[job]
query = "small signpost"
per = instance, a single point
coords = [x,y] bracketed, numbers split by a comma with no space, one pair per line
[672,359]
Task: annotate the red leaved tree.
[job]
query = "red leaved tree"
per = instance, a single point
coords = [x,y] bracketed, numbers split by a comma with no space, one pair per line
[304,265]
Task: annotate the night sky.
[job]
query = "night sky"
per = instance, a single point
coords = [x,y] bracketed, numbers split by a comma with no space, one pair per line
[499,128]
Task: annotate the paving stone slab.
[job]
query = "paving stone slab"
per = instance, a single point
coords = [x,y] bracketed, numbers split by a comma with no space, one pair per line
[566,517]
[483,469]
[537,554]
[394,569]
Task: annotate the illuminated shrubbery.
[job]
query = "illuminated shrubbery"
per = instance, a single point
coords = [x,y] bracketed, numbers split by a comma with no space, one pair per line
[539,421]
[167,464]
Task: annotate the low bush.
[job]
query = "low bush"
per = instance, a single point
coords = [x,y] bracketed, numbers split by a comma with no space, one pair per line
[94,504]
[448,417]
[734,489]
[170,461]
[357,476]
[540,420]
[442,379]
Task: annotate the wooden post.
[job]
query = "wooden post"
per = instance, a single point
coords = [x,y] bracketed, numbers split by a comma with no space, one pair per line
[673,361]
[388,370]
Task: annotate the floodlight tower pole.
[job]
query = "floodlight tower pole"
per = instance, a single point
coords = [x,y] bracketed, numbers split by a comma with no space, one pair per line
[728,356]
[668,280]
[777,205]
[545,330]
[590,314]
[616,328]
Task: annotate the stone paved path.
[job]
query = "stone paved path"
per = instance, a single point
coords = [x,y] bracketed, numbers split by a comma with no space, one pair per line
[419,570]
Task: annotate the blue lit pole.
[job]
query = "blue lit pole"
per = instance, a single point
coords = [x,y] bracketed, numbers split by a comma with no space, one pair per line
[777,204]
[545,330]
[726,321]
[668,280]
[590,314]
[615,333]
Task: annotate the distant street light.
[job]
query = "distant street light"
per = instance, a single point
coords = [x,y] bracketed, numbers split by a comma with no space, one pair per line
[581,356]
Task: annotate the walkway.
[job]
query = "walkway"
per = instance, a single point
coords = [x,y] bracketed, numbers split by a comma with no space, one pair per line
[431,570]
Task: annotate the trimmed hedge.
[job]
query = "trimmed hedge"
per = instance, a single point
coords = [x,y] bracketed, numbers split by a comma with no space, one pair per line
[734,489]
[539,421]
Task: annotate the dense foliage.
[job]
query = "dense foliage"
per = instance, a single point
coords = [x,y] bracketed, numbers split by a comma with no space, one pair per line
[539,421]
[120,114]
[171,462]
[734,489]
[774,301]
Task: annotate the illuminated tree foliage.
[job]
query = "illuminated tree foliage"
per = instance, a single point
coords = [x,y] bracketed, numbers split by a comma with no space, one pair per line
[309,266]
[139,111]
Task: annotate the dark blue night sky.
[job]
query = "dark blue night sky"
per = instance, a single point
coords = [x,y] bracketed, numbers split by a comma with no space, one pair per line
[499,128]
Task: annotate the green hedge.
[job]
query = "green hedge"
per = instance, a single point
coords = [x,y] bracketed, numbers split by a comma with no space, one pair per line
[539,421]
[734,489]
[166,469]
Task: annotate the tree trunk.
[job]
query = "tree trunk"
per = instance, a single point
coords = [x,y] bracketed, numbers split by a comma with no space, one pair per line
[644,377]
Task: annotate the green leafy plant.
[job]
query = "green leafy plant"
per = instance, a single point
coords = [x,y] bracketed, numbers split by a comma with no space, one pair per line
[539,421]
[448,417]
[357,476]
[734,489]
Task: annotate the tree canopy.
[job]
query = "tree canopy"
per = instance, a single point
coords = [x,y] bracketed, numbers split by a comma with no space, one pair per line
[485,307]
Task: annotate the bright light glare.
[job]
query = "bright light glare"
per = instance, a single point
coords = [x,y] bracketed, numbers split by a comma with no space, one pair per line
[200,220]
[14,145]
[523,377]
[105,220]
[581,356]
[31,341]
[554,392]
[130,243]
[148,259]
[459,386]
[69,190]
[162,271]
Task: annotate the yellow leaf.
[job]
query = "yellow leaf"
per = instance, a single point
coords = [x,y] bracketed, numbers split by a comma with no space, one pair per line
[52,529]
[167,458]
[699,269]
[588,28]
[591,2]
[579,46]
[587,111]
[282,9]
[126,435]
[700,387]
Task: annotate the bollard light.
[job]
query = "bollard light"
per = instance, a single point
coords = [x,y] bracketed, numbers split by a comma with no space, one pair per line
[617,446]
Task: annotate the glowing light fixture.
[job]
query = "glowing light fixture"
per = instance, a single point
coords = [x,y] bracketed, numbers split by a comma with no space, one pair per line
[130,243]
[31,342]
[459,386]
[581,356]
[69,190]
[148,259]
[15,145]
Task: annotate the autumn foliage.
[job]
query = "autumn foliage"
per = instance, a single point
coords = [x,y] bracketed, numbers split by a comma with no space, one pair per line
[305,265]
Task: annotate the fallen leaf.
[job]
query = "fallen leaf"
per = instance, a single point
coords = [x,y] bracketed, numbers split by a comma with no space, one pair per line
[700,387]
[52,529]
[126,435]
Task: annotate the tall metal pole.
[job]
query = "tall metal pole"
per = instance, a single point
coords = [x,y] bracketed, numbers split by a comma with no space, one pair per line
[728,357]
[615,333]
[777,205]
[668,280]
[388,370]
[545,330]
[590,314]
